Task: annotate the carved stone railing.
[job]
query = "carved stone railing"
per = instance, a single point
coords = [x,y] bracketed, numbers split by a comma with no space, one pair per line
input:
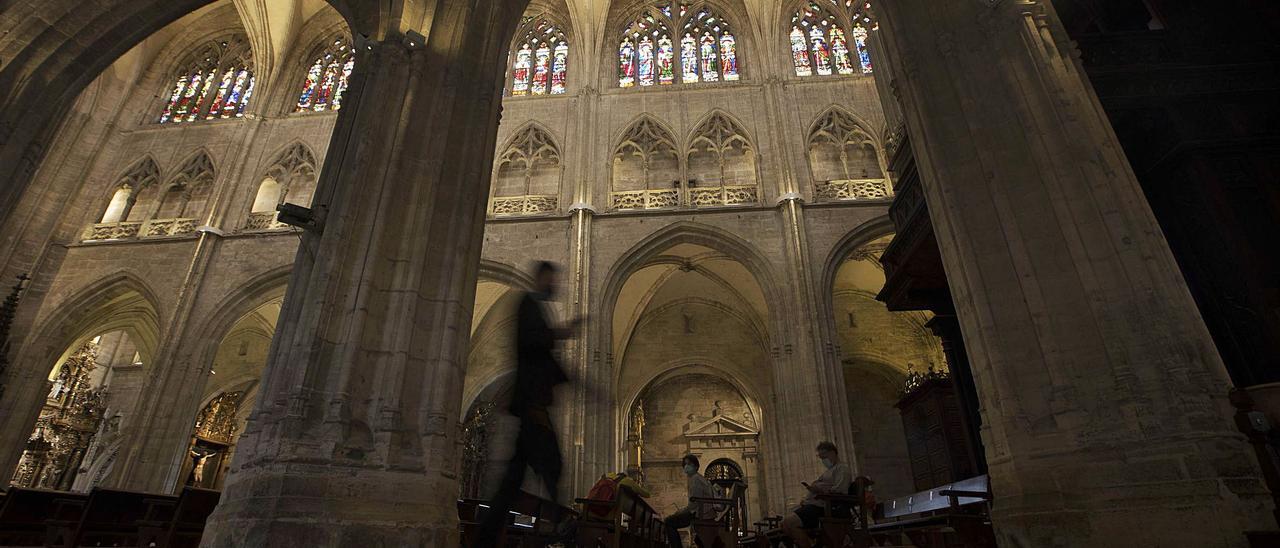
[853,189]
[112,231]
[645,199]
[127,230]
[263,220]
[532,204]
[724,196]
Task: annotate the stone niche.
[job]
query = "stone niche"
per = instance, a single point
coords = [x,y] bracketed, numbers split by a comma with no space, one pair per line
[700,414]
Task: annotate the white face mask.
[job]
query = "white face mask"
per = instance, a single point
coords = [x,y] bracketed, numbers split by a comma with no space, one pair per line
[827,462]
[690,469]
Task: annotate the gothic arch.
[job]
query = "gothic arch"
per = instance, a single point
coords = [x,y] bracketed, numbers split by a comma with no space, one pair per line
[622,14]
[646,168]
[718,148]
[548,21]
[223,316]
[141,175]
[190,186]
[315,35]
[506,274]
[528,173]
[290,177]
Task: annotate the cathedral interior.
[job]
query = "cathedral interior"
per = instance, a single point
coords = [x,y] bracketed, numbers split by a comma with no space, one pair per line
[273,249]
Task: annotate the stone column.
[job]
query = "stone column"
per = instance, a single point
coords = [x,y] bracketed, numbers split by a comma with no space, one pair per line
[1104,399]
[353,440]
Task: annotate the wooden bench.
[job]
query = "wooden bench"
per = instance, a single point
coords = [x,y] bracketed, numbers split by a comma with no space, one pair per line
[25,514]
[625,521]
[956,513]
[844,521]
[533,521]
[109,517]
[176,522]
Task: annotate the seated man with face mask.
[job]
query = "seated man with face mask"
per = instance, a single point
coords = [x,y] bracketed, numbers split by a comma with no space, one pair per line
[833,481]
[699,487]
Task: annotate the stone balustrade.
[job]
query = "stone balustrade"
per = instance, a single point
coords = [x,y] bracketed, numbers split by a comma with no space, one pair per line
[511,206]
[128,230]
[730,195]
[263,220]
[841,190]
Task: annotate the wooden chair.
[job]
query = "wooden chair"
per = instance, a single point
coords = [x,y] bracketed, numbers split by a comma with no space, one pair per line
[942,516]
[626,521]
[723,530]
[25,512]
[844,522]
[176,522]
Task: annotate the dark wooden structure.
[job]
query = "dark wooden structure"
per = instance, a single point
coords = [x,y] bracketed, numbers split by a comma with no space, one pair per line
[104,517]
[955,514]
[938,446]
[627,520]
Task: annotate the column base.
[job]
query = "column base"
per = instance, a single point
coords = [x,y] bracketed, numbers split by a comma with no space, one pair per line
[1204,494]
[289,505]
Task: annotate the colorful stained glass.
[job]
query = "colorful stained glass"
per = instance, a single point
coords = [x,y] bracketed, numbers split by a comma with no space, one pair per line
[198,102]
[840,52]
[645,54]
[800,52]
[342,83]
[520,71]
[309,86]
[224,86]
[688,59]
[666,61]
[173,99]
[710,63]
[860,42]
[821,56]
[626,64]
[729,57]
[541,70]
[234,104]
[559,64]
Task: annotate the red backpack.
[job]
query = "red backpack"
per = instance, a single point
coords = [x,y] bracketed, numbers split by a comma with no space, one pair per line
[604,489]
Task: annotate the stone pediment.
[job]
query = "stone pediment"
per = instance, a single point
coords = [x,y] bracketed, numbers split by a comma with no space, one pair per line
[719,425]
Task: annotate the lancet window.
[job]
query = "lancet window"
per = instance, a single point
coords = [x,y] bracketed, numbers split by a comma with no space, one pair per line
[215,81]
[327,78]
[186,196]
[721,164]
[527,178]
[539,59]
[651,53]
[830,37]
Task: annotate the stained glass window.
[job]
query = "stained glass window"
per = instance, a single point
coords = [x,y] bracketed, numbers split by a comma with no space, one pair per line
[706,49]
[216,82]
[328,77]
[541,60]
[820,35]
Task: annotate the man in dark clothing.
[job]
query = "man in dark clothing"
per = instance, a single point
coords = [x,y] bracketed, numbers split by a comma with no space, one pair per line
[537,374]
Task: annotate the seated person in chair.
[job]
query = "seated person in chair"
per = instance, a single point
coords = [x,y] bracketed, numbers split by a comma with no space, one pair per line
[833,481]
[699,487]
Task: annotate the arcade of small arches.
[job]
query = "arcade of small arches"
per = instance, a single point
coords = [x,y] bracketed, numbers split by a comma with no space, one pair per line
[715,177]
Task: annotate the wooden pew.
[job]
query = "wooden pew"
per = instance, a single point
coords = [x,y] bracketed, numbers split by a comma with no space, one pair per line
[625,521]
[534,522]
[109,518]
[25,512]
[940,517]
[176,522]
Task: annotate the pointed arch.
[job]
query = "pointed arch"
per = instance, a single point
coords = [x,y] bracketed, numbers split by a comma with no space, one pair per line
[830,37]
[539,52]
[667,42]
[328,72]
[139,177]
[186,194]
[845,158]
[527,173]
[721,163]
[289,178]
[645,171]
[212,80]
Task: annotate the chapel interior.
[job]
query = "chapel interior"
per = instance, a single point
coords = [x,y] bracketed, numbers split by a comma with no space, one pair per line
[271,251]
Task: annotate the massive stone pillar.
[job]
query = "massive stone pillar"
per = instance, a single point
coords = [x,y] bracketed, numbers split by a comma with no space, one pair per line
[1105,413]
[353,441]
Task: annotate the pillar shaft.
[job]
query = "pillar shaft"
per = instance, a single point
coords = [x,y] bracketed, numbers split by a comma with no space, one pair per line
[1104,398]
[353,438]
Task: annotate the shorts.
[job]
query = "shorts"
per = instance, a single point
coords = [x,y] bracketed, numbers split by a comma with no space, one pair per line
[809,515]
